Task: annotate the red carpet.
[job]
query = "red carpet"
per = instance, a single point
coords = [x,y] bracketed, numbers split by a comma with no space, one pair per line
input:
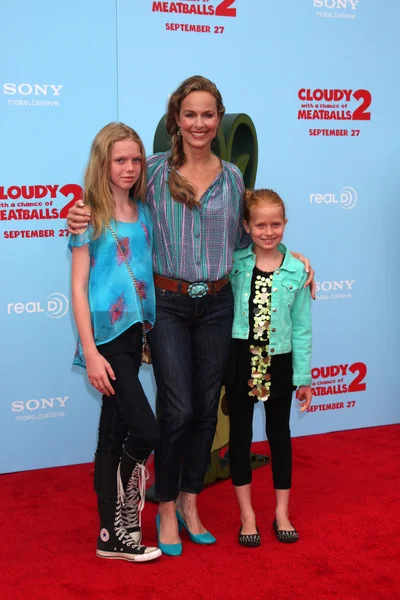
[345,504]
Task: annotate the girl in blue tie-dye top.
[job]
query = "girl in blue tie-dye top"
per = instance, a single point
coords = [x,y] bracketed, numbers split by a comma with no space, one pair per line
[108,316]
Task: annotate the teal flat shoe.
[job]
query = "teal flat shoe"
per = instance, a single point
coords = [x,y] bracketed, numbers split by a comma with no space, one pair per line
[168,549]
[198,538]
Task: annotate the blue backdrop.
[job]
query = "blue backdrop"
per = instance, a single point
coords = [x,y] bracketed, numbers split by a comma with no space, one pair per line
[323,99]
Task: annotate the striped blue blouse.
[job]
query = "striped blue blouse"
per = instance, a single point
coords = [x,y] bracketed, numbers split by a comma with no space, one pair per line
[195,244]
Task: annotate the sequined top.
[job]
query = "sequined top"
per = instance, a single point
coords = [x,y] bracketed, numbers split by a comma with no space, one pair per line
[260,308]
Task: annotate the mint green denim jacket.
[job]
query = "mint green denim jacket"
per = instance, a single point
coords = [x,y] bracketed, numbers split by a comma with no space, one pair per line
[290,328]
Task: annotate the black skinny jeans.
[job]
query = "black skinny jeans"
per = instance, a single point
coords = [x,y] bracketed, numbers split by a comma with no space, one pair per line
[190,346]
[277,413]
[127,419]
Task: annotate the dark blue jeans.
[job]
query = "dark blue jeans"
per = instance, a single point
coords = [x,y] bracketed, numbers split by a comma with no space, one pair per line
[190,345]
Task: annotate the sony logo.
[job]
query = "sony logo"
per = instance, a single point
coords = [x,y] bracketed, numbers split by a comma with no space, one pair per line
[32,89]
[336,4]
[57,402]
[327,286]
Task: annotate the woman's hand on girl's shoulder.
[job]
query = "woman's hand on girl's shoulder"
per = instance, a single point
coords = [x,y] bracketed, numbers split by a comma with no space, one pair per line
[304,395]
[100,372]
[78,218]
[310,280]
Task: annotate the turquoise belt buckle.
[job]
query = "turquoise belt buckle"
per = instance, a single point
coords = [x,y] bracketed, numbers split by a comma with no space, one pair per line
[198,290]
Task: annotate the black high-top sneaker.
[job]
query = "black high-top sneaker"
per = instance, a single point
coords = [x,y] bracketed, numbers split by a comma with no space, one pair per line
[133,500]
[115,543]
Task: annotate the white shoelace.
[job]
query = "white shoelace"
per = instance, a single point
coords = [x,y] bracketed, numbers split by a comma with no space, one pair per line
[119,526]
[136,486]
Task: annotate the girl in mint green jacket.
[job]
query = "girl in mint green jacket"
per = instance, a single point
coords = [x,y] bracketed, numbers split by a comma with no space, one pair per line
[270,356]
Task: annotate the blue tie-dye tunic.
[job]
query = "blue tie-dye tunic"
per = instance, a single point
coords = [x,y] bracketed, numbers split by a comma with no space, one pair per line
[113,301]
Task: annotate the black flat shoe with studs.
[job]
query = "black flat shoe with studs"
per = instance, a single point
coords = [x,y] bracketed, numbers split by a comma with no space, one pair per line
[252,540]
[285,536]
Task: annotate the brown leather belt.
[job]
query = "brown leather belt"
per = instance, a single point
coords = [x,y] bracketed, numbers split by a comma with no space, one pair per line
[194,290]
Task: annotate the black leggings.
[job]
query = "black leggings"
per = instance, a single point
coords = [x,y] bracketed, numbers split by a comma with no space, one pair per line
[127,419]
[277,412]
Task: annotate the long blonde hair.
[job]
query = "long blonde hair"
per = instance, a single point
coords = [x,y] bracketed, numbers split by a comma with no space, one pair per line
[97,192]
[181,189]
